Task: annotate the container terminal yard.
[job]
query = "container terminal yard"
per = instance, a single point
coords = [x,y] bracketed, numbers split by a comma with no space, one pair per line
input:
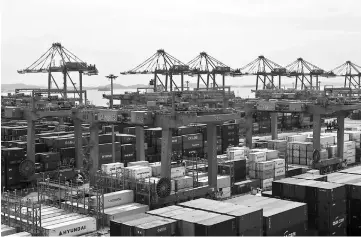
[182,162]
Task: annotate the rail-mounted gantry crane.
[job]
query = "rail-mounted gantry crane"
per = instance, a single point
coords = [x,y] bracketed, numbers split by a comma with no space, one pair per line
[304,73]
[265,70]
[68,62]
[204,64]
[351,72]
[162,63]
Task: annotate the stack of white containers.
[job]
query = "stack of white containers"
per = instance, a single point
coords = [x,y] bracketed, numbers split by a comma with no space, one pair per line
[279,164]
[260,168]
[236,153]
[112,168]
[297,138]
[355,136]
[302,153]
[349,152]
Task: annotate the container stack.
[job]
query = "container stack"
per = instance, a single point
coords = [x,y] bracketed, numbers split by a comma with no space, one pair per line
[10,161]
[352,179]
[248,219]
[275,212]
[302,153]
[261,169]
[193,145]
[279,145]
[326,203]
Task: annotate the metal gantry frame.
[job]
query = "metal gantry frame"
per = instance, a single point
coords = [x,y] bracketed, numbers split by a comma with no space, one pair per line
[304,73]
[162,63]
[68,62]
[351,72]
[21,212]
[265,70]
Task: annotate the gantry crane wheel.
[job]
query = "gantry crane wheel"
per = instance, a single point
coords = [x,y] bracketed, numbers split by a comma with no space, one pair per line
[27,168]
[164,187]
[316,156]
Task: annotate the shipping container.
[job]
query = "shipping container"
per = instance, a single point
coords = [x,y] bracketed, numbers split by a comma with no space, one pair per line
[217,226]
[75,227]
[115,198]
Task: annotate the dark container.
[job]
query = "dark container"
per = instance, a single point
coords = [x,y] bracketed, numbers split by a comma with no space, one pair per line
[312,177]
[40,148]
[245,186]
[192,137]
[153,158]
[299,229]
[50,165]
[218,226]
[293,171]
[327,224]
[109,146]
[192,144]
[153,132]
[49,157]
[128,148]
[155,228]
[125,138]
[329,192]
[257,231]
[185,130]
[196,152]
[68,152]
[12,175]
[129,130]
[39,167]
[239,169]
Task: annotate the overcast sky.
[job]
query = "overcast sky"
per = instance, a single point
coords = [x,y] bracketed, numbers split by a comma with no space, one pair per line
[119,35]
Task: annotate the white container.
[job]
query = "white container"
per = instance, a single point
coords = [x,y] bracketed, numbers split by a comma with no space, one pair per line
[223,181]
[223,193]
[115,198]
[73,228]
[183,182]
[117,212]
[257,156]
[138,172]
[279,163]
[20,234]
[7,230]
[266,183]
[265,165]
[297,138]
[112,167]
[138,163]
[271,154]
[156,169]
[177,172]
[280,171]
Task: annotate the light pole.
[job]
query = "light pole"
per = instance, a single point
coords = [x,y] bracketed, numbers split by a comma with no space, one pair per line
[111,77]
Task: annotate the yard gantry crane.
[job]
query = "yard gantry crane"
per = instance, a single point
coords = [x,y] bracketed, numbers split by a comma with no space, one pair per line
[265,70]
[304,73]
[204,64]
[162,63]
[351,72]
[68,62]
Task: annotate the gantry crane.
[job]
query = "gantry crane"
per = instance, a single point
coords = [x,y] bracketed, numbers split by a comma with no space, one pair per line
[351,72]
[68,62]
[162,63]
[304,73]
[204,64]
[265,70]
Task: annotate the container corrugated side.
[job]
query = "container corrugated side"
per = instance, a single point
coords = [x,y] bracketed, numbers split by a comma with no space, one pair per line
[75,227]
[7,231]
[221,225]
[155,228]
[114,213]
[115,198]
[65,219]
[20,234]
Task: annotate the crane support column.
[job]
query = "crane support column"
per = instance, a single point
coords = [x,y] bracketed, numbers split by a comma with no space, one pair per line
[65,86]
[249,128]
[139,134]
[81,87]
[166,154]
[49,83]
[182,81]
[274,126]
[340,134]
[78,144]
[212,154]
[31,141]
[94,148]
[155,82]
[316,131]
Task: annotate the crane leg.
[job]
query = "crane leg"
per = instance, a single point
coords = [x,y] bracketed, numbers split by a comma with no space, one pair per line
[212,155]
[249,127]
[316,131]
[30,153]
[94,149]
[340,134]
[166,153]
[78,144]
[274,125]
[139,133]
